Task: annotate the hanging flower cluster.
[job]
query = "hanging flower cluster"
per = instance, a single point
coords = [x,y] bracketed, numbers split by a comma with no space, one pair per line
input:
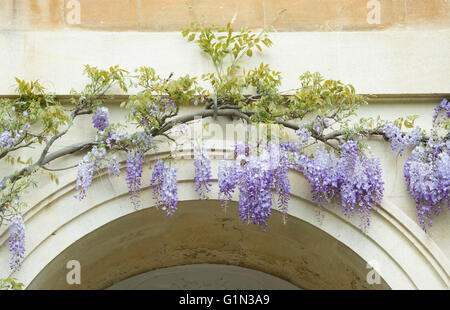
[16,242]
[353,180]
[101,118]
[280,165]
[227,180]
[256,177]
[427,175]
[86,168]
[134,177]
[164,183]
[203,174]
[255,194]
[427,170]
[137,145]
[350,177]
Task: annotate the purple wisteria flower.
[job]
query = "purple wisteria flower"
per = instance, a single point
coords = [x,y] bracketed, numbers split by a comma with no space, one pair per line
[143,141]
[320,124]
[442,111]
[292,147]
[203,174]
[169,191]
[352,180]
[16,242]
[241,149]
[98,153]
[164,183]
[255,197]
[6,139]
[362,183]
[227,180]
[322,174]
[157,177]
[100,118]
[256,177]
[86,169]
[427,174]
[111,138]
[280,169]
[134,177]
[400,141]
[162,105]
[303,134]
[113,166]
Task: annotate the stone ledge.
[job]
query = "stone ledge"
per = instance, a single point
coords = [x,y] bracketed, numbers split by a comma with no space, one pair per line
[172,15]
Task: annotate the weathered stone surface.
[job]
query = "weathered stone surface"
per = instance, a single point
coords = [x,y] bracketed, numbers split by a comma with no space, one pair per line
[31,14]
[330,15]
[117,15]
[202,233]
[430,11]
[172,15]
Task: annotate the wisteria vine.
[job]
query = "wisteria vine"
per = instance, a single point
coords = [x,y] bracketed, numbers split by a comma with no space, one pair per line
[340,169]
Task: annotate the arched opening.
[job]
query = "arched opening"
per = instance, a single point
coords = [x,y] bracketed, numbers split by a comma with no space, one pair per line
[203,277]
[201,232]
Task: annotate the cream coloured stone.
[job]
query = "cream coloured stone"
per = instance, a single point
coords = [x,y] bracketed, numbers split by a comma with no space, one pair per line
[386,62]
[59,227]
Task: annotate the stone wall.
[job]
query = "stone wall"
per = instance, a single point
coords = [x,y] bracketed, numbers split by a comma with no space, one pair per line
[403,55]
[171,15]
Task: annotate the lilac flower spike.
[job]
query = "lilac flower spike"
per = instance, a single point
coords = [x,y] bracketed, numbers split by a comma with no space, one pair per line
[134,177]
[203,174]
[16,242]
[164,183]
[353,180]
[100,118]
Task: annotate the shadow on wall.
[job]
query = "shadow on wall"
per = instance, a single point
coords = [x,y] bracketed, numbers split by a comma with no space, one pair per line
[203,277]
[201,232]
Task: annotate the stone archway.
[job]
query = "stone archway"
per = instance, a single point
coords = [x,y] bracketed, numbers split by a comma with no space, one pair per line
[113,241]
[203,277]
[202,233]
